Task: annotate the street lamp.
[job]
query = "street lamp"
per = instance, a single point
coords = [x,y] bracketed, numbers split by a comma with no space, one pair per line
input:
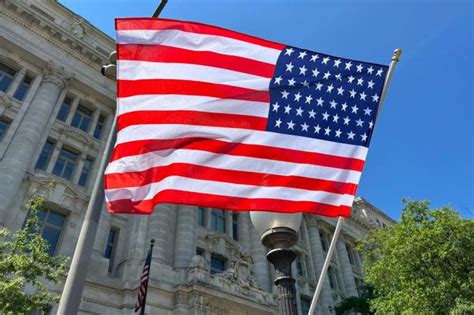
[279,235]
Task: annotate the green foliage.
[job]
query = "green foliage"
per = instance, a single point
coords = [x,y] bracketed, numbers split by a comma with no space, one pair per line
[423,264]
[25,267]
[359,305]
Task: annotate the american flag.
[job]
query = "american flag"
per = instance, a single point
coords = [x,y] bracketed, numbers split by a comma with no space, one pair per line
[216,118]
[141,299]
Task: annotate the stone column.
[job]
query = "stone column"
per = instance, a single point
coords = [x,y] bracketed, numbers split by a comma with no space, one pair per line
[16,81]
[159,229]
[79,165]
[260,263]
[72,110]
[95,118]
[245,228]
[185,243]
[228,223]
[19,155]
[54,155]
[346,269]
[325,299]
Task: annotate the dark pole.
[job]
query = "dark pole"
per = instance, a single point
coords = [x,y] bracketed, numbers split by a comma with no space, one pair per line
[159,8]
[152,243]
[280,241]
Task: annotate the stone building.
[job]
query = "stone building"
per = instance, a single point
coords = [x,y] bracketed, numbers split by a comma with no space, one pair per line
[56,111]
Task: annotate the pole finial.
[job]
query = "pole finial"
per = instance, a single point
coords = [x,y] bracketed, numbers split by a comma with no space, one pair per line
[396,54]
[152,242]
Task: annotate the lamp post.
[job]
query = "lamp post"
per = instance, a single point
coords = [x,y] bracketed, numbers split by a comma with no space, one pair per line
[279,235]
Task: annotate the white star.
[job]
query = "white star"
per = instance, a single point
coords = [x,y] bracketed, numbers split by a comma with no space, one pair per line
[340,91]
[360,81]
[370,70]
[335,118]
[338,76]
[289,67]
[320,101]
[371,124]
[350,135]
[305,83]
[337,63]
[287,109]
[278,123]
[315,72]
[348,65]
[367,111]
[297,96]
[299,112]
[276,106]
[379,72]
[338,133]
[363,96]
[327,131]
[364,137]
[355,109]
[327,75]
[319,86]
[325,116]
[359,122]
[278,80]
[289,51]
[333,104]
[346,120]
[330,87]
[325,60]
[375,98]
[312,113]
[370,84]
[350,79]
[291,82]
[344,106]
[304,127]
[353,93]
[303,70]
[291,125]
[308,99]
[284,94]
[302,55]
[314,57]
[359,68]
[317,128]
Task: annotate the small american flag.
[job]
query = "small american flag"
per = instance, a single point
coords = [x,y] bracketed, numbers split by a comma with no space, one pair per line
[141,299]
[216,118]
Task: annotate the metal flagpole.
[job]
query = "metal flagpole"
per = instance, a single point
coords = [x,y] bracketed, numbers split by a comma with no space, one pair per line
[152,243]
[75,281]
[391,68]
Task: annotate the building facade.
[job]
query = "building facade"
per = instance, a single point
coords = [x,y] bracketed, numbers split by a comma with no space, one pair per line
[56,111]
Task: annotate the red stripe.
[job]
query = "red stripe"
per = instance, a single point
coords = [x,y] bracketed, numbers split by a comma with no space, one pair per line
[226,202]
[157,174]
[237,149]
[191,27]
[127,88]
[158,53]
[188,117]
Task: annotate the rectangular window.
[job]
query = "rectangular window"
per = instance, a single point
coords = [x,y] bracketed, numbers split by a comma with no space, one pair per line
[323,241]
[217,264]
[305,305]
[51,224]
[86,169]
[199,251]
[299,267]
[65,164]
[3,128]
[200,216]
[350,254]
[65,108]
[332,278]
[235,226]
[82,118]
[6,77]
[110,247]
[218,220]
[23,88]
[45,155]
[99,127]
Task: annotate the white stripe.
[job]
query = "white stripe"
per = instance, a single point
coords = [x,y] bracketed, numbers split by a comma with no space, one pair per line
[199,42]
[226,189]
[146,161]
[143,70]
[191,102]
[236,135]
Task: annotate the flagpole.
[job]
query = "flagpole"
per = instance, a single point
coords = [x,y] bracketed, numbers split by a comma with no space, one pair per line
[142,312]
[391,68]
[76,278]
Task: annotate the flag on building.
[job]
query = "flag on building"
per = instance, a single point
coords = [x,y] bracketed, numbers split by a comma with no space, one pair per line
[142,290]
[216,118]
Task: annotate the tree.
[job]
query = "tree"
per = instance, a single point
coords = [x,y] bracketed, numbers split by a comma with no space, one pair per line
[357,304]
[423,264]
[25,267]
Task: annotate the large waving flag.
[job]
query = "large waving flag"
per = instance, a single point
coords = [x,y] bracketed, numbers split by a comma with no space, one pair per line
[212,117]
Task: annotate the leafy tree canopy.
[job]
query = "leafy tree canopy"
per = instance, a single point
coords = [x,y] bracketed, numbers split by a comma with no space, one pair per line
[25,267]
[423,264]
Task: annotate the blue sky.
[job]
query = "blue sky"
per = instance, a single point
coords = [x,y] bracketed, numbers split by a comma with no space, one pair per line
[422,147]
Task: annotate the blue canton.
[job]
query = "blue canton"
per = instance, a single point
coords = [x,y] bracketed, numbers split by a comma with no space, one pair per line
[325,97]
